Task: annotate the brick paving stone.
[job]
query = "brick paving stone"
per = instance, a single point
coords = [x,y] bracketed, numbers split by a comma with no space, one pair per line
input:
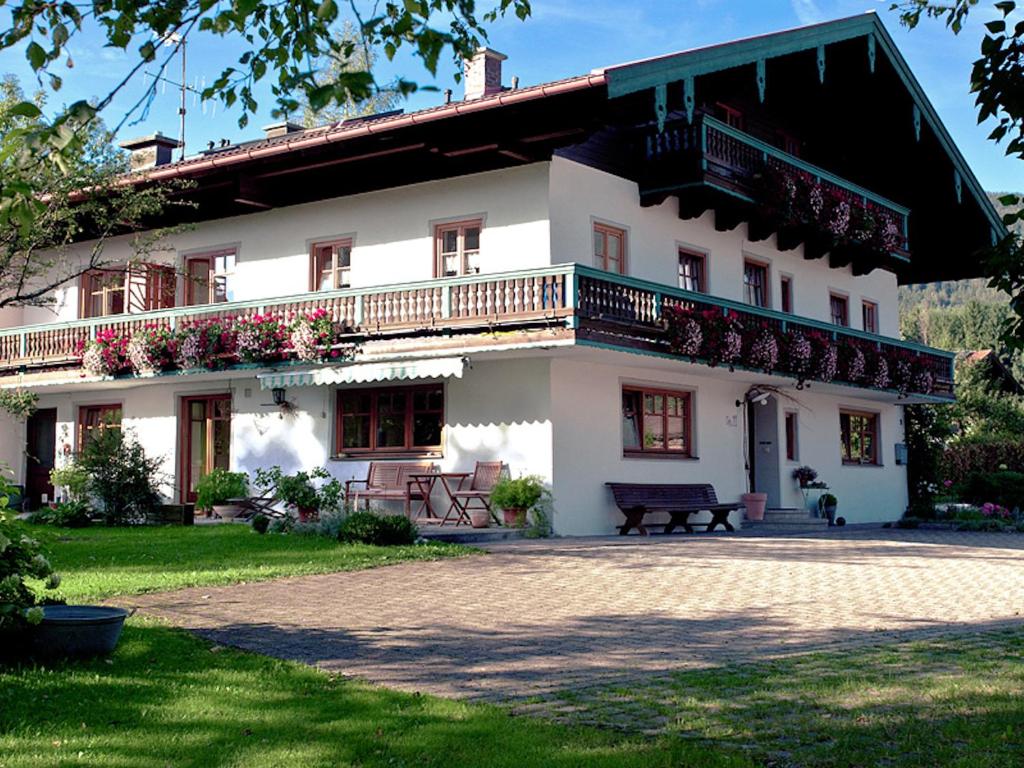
[535,617]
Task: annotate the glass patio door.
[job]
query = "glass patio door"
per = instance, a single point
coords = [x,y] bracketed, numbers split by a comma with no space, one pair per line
[205,439]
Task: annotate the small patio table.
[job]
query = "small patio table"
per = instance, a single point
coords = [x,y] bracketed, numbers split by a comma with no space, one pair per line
[425,482]
[447,478]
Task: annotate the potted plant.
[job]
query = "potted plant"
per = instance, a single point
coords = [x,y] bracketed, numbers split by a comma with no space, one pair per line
[828,504]
[218,488]
[517,497]
[805,475]
[299,491]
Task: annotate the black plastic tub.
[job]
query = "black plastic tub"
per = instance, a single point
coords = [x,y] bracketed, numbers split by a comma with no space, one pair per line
[76,631]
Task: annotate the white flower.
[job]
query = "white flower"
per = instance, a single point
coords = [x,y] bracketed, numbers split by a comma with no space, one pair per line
[34,615]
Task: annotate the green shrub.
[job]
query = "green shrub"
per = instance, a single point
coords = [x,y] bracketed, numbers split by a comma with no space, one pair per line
[1004,488]
[121,477]
[219,485]
[988,524]
[963,459]
[20,561]
[828,500]
[65,514]
[73,477]
[260,523]
[380,530]
[299,490]
[520,493]
[281,525]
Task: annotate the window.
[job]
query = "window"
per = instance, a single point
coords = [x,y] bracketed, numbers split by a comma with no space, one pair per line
[656,421]
[207,277]
[331,265]
[390,419]
[791,440]
[151,286]
[610,248]
[691,271]
[458,249]
[869,311]
[755,283]
[729,115]
[839,307]
[788,143]
[859,436]
[786,293]
[103,292]
[94,419]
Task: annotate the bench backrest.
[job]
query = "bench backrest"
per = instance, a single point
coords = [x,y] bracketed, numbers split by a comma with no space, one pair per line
[391,475]
[631,495]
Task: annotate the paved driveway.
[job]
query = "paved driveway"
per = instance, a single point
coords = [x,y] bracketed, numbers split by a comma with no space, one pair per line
[532,617]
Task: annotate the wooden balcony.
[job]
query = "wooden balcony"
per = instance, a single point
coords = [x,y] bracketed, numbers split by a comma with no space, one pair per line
[712,166]
[580,303]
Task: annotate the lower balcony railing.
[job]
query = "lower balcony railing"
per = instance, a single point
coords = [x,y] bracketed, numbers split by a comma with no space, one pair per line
[600,307]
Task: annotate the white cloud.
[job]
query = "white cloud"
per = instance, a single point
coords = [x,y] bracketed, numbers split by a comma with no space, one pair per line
[807,11]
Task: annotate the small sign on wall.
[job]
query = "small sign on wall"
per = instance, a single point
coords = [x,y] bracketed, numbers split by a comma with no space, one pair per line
[901,453]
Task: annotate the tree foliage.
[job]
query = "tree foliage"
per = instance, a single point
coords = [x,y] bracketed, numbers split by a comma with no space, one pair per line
[997,81]
[51,206]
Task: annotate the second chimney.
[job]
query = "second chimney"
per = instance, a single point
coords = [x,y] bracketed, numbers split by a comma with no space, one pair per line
[482,74]
[150,151]
[283,128]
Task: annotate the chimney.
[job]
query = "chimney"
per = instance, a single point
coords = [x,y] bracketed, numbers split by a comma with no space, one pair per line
[150,151]
[283,128]
[482,74]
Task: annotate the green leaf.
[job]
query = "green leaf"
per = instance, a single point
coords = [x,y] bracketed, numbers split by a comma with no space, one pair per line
[36,55]
[24,109]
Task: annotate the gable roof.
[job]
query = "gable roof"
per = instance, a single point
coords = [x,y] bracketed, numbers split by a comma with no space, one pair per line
[659,71]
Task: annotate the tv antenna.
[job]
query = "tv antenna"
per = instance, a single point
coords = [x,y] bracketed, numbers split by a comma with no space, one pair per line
[171,40]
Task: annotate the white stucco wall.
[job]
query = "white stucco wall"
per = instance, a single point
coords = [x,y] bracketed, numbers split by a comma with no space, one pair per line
[12,446]
[580,195]
[392,232]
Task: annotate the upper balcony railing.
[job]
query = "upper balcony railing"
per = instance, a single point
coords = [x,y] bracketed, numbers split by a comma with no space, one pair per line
[796,193]
[597,306]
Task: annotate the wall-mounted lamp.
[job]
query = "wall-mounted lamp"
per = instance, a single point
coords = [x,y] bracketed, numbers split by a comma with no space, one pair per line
[278,394]
[754,396]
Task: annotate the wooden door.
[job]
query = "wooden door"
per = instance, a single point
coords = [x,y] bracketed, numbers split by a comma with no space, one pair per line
[40,453]
[205,440]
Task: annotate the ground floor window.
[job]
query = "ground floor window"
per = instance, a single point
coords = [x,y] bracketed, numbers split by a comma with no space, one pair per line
[390,420]
[93,419]
[656,422]
[859,437]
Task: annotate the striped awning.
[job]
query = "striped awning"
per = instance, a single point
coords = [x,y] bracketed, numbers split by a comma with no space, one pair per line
[358,373]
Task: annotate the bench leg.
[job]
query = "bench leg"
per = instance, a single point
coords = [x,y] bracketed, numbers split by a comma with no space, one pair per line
[634,519]
[720,518]
[677,519]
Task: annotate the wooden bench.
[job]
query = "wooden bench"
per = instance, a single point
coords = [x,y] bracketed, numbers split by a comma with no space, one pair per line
[388,481]
[637,500]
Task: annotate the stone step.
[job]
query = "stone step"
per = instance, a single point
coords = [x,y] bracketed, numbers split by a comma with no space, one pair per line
[467,535]
[810,524]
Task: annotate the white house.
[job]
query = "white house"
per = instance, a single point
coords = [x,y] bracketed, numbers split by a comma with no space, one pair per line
[510,266]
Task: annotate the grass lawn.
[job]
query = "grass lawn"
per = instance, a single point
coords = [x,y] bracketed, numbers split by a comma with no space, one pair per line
[168,699]
[97,563]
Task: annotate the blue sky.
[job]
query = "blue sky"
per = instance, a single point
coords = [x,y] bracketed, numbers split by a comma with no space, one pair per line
[569,37]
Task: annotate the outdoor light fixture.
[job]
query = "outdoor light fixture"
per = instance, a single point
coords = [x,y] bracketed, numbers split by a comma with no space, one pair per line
[278,395]
[754,396]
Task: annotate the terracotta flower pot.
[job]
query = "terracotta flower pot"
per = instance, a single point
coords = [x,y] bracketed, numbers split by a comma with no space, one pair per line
[514,517]
[479,518]
[754,504]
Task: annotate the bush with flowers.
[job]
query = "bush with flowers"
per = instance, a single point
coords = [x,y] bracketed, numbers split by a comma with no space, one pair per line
[105,355]
[685,331]
[203,344]
[260,338]
[22,564]
[151,349]
[763,347]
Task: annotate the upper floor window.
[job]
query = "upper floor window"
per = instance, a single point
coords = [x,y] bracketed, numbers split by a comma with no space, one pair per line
[151,286]
[788,143]
[839,309]
[390,419]
[656,421]
[755,283]
[94,419]
[457,249]
[331,265]
[786,293]
[207,277]
[859,437]
[729,115]
[103,292]
[869,311]
[692,273]
[610,248]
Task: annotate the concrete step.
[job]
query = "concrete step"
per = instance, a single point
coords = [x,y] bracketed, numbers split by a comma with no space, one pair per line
[467,535]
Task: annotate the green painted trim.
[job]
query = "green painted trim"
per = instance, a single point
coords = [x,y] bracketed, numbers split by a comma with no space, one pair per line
[738,367]
[814,170]
[630,78]
[768,314]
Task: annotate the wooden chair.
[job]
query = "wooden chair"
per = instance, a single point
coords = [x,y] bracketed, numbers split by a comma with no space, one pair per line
[486,475]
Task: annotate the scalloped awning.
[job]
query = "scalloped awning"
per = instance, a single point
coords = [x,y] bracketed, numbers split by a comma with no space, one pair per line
[361,373]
